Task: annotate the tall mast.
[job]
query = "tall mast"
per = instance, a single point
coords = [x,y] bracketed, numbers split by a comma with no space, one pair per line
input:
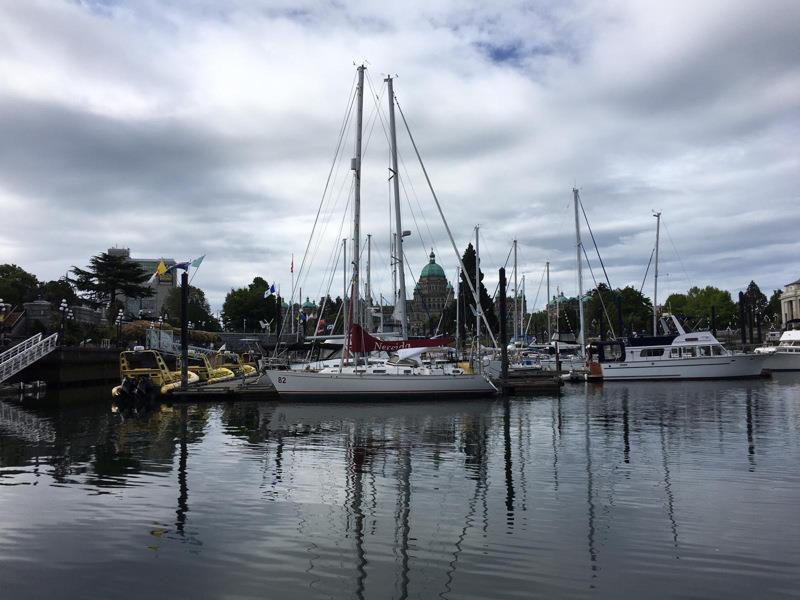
[578,248]
[368,291]
[516,293]
[345,324]
[356,167]
[478,298]
[523,330]
[655,281]
[549,334]
[458,302]
[400,306]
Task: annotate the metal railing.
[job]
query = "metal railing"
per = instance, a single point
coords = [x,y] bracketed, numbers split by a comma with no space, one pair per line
[25,354]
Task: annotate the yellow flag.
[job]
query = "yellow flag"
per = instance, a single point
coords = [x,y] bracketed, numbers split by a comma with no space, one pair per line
[161,268]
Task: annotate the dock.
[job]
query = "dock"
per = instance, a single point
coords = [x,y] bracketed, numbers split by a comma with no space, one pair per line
[251,388]
[525,382]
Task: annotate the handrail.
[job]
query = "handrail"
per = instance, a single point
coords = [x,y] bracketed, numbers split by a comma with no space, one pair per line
[21,347]
[24,358]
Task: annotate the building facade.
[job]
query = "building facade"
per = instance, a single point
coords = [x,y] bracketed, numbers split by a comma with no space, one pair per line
[790,303]
[432,295]
[153,306]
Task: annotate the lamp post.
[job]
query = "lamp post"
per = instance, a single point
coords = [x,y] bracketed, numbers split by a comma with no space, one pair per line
[118,321]
[2,323]
[62,308]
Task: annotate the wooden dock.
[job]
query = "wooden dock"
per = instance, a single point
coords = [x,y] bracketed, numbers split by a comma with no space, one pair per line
[526,382]
[251,388]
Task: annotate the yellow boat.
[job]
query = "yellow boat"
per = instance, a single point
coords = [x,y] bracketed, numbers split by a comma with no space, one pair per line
[145,375]
[199,364]
[231,360]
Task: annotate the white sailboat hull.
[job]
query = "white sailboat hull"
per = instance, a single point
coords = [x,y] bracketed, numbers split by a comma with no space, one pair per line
[351,386]
[704,367]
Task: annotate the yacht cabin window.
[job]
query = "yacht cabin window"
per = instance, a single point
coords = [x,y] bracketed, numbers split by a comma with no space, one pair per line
[652,352]
[689,351]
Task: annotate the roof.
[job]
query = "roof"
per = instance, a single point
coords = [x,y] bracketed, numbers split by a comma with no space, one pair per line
[793,283]
[432,269]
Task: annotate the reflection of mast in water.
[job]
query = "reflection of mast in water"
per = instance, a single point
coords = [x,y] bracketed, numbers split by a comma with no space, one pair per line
[668,485]
[475,454]
[402,517]
[555,425]
[358,456]
[590,495]
[508,463]
[751,445]
[521,452]
[183,497]
[626,440]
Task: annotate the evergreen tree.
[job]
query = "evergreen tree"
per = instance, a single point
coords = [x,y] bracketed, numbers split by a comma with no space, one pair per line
[467,300]
[109,275]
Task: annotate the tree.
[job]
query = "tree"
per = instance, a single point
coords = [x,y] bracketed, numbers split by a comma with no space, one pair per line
[774,308]
[17,285]
[467,301]
[199,310]
[676,304]
[56,291]
[109,275]
[248,305]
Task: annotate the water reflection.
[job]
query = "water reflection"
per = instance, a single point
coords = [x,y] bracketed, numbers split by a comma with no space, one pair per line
[550,497]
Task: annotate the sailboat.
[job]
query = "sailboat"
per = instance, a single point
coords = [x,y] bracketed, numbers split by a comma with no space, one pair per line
[401,376]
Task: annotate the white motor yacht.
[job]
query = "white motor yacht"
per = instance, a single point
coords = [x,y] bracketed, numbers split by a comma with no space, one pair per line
[786,355]
[697,355]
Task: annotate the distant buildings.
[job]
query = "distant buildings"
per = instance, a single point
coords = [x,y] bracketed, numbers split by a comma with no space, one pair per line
[432,294]
[153,306]
[790,302]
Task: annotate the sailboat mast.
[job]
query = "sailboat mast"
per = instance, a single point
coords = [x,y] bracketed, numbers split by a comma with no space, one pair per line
[458,303]
[478,297]
[398,236]
[578,248]
[356,167]
[522,309]
[368,291]
[345,316]
[516,293]
[655,280]
[549,334]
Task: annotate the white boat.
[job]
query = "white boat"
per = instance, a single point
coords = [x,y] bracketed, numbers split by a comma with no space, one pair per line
[365,377]
[383,386]
[697,355]
[786,355]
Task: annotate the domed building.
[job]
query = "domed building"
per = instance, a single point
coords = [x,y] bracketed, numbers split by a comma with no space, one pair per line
[432,294]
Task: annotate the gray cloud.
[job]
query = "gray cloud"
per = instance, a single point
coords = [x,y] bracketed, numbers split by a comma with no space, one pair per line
[184,128]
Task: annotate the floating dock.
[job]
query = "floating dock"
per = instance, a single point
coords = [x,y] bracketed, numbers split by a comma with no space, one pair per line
[519,383]
[250,388]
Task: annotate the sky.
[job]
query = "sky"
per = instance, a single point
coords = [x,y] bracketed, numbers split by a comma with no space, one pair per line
[191,127]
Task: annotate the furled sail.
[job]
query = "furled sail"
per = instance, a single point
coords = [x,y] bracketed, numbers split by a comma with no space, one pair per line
[361,341]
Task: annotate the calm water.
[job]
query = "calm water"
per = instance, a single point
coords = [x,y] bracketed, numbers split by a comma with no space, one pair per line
[622,490]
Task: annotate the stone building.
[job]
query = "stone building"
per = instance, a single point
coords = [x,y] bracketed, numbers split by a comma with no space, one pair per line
[432,294]
[153,306]
[790,302]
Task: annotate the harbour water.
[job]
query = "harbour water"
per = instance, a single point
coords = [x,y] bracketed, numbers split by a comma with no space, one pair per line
[624,490]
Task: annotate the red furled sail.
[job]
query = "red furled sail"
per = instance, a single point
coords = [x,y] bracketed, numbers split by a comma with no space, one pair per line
[361,341]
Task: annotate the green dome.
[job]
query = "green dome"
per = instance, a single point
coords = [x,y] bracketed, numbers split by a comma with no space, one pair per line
[432,269]
[309,304]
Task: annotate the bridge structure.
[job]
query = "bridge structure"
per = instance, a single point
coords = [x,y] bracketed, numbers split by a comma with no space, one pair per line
[24,354]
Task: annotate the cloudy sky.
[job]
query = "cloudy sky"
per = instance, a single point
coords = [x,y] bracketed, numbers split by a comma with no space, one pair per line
[188,127]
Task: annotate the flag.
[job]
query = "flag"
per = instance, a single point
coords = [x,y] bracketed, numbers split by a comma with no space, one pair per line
[291,267]
[272,289]
[266,294]
[160,270]
[196,262]
[176,266]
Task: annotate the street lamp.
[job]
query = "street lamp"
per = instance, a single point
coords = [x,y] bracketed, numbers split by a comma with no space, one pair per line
[118,321]
[63,308]
[2,322]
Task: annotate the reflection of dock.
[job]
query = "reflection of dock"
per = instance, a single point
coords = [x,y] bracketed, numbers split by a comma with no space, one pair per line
[528,381]
[251,388]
